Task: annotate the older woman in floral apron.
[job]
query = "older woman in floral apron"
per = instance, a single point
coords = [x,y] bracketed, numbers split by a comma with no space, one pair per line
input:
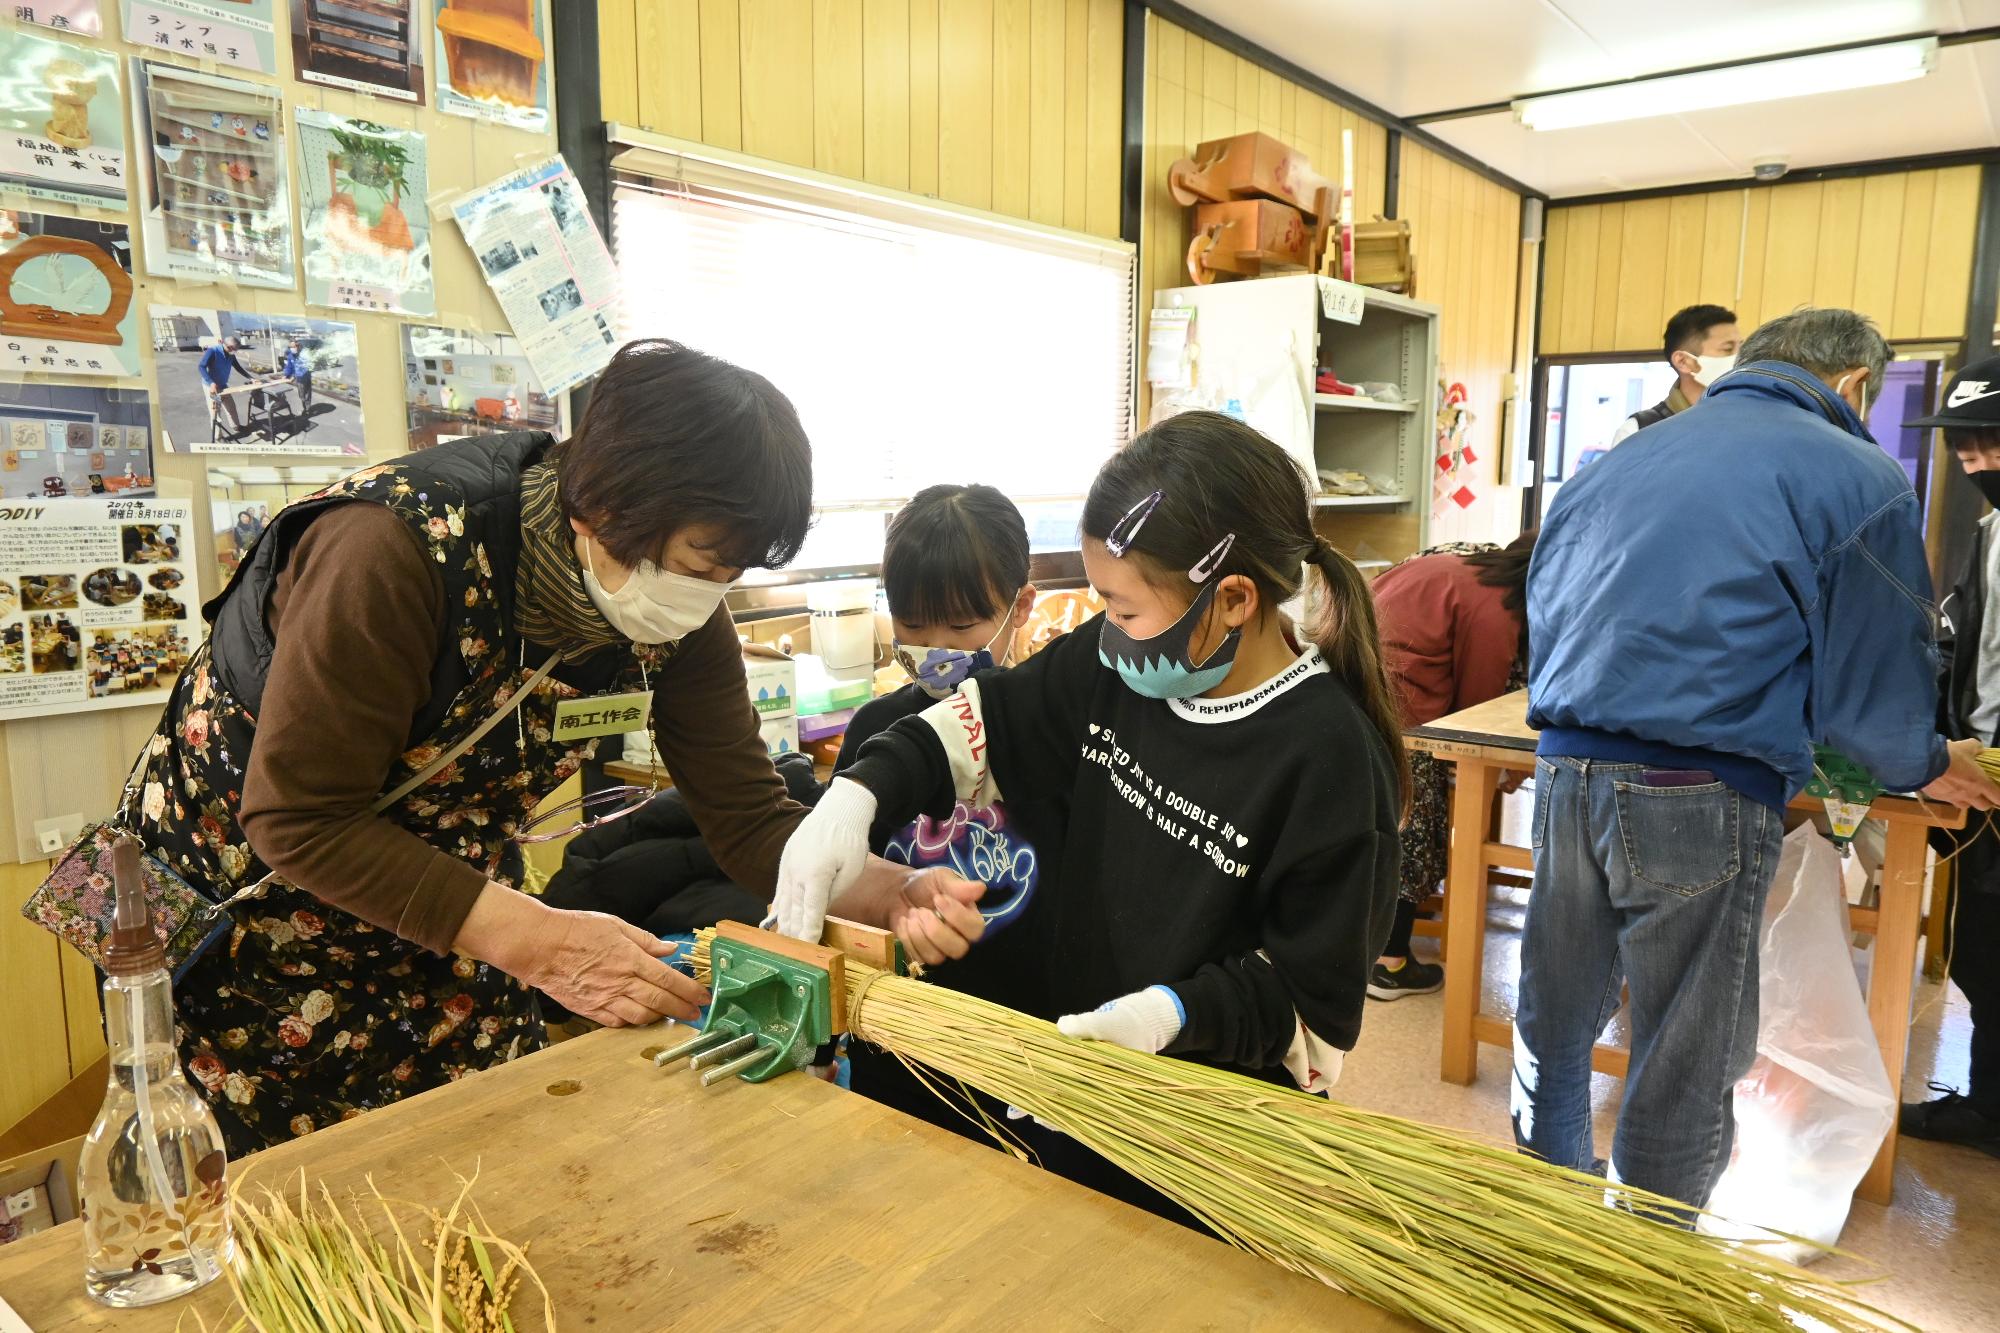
[376,624]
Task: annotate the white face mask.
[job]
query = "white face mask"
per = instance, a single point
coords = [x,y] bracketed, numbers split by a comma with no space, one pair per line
[654,605]
[1709,369]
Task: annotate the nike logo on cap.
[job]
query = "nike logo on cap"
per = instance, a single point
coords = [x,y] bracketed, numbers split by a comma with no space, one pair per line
[1970,392]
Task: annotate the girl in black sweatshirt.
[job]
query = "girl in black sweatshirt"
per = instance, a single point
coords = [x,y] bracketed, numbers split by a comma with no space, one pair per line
[1230,851]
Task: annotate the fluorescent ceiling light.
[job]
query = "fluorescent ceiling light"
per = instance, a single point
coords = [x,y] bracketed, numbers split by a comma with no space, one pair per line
[1738,85]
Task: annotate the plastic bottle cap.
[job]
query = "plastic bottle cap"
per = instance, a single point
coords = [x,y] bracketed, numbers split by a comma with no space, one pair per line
[134,946]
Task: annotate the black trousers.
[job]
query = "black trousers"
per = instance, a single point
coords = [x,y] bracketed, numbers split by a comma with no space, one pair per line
[1974,946]
[1975,969]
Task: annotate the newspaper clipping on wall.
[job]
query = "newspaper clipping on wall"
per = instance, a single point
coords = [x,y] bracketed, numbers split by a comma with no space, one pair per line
[544,258]
[97,603]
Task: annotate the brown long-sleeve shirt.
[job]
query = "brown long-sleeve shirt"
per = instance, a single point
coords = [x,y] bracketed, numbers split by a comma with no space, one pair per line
[357,613]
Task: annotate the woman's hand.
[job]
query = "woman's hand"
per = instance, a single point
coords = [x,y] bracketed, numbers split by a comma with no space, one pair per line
[932,911]
[825,854]
[591,964]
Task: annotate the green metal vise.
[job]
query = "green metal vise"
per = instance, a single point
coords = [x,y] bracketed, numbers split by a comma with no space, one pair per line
[1847,789]
[768,1016]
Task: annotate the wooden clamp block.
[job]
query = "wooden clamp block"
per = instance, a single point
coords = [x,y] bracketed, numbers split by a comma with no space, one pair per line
[1247,166]
[1247,237]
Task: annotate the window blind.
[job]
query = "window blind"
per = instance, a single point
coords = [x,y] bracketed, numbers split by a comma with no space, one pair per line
[917,348]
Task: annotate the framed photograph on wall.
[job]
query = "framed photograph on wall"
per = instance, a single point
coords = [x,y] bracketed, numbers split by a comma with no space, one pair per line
[367,233]
[458,383]
[62,122]
[236,382]
[213,177]
[63,440]
[367,46]
[67,304]
[492,60]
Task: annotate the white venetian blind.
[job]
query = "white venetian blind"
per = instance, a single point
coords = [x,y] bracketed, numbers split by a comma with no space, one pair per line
[919,347]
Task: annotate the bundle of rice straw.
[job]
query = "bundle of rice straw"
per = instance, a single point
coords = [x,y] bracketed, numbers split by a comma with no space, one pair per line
[1453,1231]
[304,1264]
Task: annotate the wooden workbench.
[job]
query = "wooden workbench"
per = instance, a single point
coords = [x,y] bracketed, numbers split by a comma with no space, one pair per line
[651,1202]
[1493,738]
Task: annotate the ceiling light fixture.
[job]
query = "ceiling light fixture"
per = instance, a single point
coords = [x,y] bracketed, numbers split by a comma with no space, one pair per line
[1736,85]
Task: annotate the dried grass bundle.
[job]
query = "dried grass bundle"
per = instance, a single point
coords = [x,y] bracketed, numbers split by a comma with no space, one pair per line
[1449,1229]
[305,1264]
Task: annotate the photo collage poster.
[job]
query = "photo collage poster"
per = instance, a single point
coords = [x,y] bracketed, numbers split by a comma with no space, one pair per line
[61,440]
[458,382]
[98,607]
[366,232]
[229,32]
[214,193]
[62,122]
[547,263]
[373,48]
[236,382]
[68,306]
[493,62]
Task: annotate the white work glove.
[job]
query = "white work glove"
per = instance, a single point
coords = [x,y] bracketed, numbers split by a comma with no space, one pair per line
[823,857]
[1142,1021]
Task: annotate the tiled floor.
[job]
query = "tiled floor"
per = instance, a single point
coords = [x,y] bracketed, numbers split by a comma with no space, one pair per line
[1936,1247]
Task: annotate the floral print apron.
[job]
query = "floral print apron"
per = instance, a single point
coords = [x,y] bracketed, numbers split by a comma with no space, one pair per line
[303,1015]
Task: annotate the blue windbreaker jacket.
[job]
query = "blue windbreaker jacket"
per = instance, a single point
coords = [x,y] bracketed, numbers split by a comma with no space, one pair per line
[1734,584]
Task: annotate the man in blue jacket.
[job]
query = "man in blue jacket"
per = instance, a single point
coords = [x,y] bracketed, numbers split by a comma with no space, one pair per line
[214,368]
[1711,598]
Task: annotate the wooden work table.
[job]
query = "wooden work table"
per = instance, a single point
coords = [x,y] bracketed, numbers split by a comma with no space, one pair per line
[651,1202]
[1494,738]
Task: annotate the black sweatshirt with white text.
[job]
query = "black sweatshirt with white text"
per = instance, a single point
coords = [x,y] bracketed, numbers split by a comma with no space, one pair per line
[1242,850]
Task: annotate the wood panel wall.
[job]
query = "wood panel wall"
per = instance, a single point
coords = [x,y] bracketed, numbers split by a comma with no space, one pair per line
[1896,246]
[1197,91]
[54,766]
[1013,106]
[1466,234]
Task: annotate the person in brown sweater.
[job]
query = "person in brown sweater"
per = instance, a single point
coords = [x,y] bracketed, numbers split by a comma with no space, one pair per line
[373,950]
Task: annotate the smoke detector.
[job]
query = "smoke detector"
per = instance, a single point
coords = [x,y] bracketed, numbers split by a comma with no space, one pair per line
[1769,168]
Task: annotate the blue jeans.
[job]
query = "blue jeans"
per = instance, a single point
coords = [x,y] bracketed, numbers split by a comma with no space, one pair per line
[1659,888]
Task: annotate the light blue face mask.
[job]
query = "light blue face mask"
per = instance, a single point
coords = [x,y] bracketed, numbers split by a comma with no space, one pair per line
[1160,666]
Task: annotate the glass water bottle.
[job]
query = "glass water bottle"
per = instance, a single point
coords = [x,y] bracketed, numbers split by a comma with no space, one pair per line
[153,1169]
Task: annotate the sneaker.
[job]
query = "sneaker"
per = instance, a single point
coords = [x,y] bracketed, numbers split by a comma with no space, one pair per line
[1412,978]
[1951,1118]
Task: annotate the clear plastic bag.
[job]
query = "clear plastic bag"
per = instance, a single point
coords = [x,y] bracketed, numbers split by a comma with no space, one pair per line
[1815,1106]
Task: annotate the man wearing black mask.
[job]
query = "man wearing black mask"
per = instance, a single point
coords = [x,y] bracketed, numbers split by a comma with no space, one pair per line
[1970,704]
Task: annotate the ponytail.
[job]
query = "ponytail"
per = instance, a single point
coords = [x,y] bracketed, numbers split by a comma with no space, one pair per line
[1348,638]
[1210,474]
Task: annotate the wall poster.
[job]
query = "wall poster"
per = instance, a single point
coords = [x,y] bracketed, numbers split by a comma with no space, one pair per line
[229,32]
[214,201]
[365,46]
[367,233]
[66,296]
[61,439]
[235,382]
[62,121]
[97,606]
[543,257]
[461,383]
[492,61]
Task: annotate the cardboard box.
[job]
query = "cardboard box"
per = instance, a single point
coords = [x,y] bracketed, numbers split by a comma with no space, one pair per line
[774,692]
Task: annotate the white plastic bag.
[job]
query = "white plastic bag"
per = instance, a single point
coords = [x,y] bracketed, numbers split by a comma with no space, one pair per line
[1814,1108]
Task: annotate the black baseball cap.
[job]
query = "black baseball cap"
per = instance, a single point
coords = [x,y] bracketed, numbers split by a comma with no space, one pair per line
[1971,400]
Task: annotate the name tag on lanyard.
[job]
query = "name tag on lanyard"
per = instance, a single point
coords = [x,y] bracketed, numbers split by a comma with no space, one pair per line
[602,715]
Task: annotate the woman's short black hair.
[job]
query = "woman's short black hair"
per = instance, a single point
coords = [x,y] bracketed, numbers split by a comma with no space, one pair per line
[954,554]
[674,438]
